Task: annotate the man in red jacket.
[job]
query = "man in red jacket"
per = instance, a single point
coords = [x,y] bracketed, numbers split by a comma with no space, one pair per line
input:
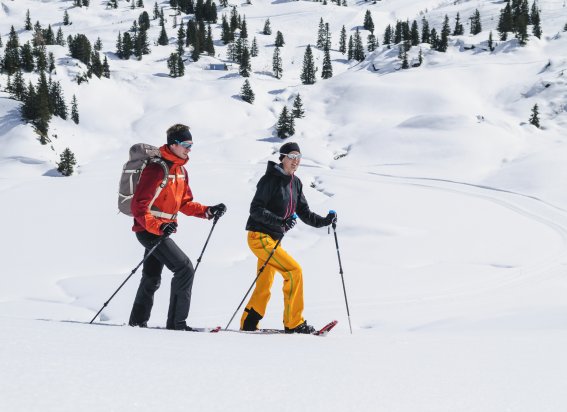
[158,219]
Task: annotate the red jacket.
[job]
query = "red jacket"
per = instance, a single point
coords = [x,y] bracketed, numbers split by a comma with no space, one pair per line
[175,197]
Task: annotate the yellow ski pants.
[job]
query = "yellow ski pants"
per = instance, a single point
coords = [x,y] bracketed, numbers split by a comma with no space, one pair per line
[261,245]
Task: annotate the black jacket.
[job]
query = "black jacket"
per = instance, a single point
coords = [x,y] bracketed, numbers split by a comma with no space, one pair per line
[277,197]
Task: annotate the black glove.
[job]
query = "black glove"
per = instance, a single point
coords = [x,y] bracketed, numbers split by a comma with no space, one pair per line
[290,222]
[168,228]
[216,211]
[331,217]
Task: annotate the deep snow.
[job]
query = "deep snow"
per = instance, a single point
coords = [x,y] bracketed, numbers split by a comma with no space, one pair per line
[452,230]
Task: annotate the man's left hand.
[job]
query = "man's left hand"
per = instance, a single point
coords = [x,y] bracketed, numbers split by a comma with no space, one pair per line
[215,211]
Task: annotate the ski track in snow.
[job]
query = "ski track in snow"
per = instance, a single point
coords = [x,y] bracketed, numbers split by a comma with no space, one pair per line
[519,203]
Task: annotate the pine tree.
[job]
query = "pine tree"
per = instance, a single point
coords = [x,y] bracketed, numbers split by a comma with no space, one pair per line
[490,41]
[290,124]
[368,23]
[277,63]
[245,66]
[12,60]
[29,109]
[74,110]
[387,36]
[350,51]
[80,48]
[434,39]
[476,26]
[425,32]
[49,36]
[66,20]
[127,46]
[246,92]
[445,31]
[60,38]
[163,40]
[327,69]
[420,57]
[414,34]
[41,121]
[58,101]
[358,50]
[534,118]
[28,25]
[459,29]
[119,47]
[267,29]
[244,30]
[180,40]
[144,21]
[405,63]
[342,41]
[209,43]
[141,44]
[67,162]
[175,65]
[27,63]
[156,11]
[233,19]
[41,59]
[505,22]
[308,72]
[96,65]
[191,33]
[227,35]
[279,39]
[321,35]
[536,21]
[98,44]
[298,111]
[372,43]
[522,30]
[140,3]
[106,68]
[254,48]
[281,126]
[17,87]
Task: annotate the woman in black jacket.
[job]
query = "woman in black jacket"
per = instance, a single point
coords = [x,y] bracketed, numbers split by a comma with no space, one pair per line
[278,201]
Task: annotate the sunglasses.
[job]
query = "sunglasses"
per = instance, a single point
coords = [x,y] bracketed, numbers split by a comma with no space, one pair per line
[185,144]
[292,156]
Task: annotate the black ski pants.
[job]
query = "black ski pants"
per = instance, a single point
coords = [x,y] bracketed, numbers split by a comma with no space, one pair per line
[170,255]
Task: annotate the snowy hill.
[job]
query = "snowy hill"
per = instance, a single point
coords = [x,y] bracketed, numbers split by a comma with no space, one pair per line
[452,219]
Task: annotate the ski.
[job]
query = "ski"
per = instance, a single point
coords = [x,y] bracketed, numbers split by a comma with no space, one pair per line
[326,329]
[214,329]
[321,332]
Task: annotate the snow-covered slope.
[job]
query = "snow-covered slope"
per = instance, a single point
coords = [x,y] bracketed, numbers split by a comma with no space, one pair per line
[452,221]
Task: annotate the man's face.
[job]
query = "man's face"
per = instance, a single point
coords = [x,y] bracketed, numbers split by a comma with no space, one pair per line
[182,149]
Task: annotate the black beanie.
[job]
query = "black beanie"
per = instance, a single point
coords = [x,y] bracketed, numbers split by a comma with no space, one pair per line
[179,136]
[288,148]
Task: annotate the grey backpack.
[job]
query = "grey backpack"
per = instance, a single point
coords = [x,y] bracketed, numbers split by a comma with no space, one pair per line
[141,155]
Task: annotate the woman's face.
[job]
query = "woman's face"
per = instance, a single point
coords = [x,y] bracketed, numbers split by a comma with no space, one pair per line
[290,165]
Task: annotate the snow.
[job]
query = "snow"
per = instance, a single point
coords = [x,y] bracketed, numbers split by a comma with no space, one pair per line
[452,222]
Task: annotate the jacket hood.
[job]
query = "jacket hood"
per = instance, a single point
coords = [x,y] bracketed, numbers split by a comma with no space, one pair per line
[276,169]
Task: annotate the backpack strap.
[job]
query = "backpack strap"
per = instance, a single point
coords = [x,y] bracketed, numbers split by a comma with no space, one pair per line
[165,168]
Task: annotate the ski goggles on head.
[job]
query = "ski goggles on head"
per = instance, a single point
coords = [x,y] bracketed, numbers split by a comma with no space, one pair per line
[185,144]
[292,156]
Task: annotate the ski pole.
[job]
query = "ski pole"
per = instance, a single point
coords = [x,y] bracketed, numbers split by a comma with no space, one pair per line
[216,219]
[341,272]
[129,276]
[253,283]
